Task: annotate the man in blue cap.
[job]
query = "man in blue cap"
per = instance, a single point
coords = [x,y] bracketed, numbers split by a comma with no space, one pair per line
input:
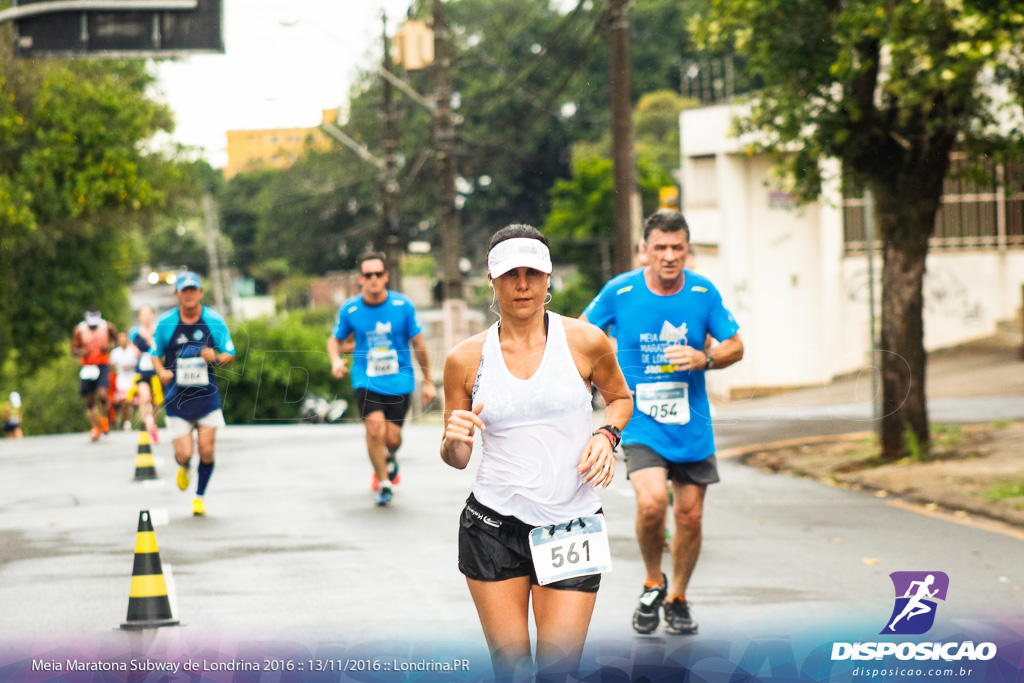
[189,343]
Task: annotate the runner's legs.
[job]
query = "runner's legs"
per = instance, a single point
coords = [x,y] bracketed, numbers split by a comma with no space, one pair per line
[649,484]
[563,618]
[503,608]
[688,513]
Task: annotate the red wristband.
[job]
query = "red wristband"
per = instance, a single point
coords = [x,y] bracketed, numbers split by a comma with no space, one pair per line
[611,437]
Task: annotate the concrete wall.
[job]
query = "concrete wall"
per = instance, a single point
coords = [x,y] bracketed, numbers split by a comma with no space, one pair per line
[801,303]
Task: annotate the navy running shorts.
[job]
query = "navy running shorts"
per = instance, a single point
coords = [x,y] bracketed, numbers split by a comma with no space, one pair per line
[91,386]
[701,473]
[393,407]
[496,547]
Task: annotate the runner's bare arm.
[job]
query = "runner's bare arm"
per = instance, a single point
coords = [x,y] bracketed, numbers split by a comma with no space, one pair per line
[163,373]
[461,417]
[77,349]
[596,362]
[429,391]
[334,351]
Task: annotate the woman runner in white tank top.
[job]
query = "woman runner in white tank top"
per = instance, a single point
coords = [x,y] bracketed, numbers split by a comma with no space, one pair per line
[525,384]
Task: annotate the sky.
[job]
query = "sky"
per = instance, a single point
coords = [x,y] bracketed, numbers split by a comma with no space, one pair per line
[285,61]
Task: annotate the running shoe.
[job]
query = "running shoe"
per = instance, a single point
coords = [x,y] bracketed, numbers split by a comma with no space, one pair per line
[393,474]
[374,482]
[182,478]
[678,620]
[385,496]
[645,617]
[153,436]
[198,507]
[95,433]
[105,425]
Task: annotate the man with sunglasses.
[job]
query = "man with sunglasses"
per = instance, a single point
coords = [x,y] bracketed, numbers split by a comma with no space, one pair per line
[380,328]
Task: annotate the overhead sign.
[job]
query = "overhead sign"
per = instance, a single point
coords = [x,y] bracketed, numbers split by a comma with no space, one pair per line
[116,28]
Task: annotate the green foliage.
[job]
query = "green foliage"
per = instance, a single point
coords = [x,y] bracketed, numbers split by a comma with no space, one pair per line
[76,187]
[580,225]
[50,400]
[280,361]
[571,300]
[912,446]
[1003,490]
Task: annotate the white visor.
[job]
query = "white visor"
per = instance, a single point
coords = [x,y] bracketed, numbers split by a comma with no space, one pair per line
[93,318]
[518,252]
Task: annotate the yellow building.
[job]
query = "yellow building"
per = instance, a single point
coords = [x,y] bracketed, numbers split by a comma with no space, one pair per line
[273,148]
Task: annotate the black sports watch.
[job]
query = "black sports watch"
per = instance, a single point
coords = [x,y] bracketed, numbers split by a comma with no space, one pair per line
[709,362]
[614,431]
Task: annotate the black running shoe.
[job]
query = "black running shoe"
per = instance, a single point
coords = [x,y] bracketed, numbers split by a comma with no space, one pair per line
[392,464]
[645,617]
[678,620]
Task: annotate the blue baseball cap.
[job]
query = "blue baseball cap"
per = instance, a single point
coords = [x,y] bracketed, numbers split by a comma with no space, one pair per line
[187,279]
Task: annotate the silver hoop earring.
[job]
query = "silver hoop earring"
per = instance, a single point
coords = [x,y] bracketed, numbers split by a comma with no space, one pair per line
[547,299]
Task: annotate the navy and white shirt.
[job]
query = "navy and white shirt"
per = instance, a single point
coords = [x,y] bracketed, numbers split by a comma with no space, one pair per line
[175,339]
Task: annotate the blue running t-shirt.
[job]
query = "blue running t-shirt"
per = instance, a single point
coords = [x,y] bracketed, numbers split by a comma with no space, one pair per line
[192,393]
[382,361]
[670,409]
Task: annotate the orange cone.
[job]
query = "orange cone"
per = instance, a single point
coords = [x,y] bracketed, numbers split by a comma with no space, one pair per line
[148,604]
[144,466]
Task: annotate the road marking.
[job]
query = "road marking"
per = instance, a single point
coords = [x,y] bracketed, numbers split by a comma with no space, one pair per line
[965,519]
[159,517]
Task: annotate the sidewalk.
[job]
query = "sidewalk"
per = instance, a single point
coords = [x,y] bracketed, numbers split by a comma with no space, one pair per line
[955,483]
[986,367]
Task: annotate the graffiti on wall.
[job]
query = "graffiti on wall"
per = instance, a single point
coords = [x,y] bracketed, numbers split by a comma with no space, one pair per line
[946,295]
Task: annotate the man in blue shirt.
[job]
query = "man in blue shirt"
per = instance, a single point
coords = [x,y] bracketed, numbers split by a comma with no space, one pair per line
[381,328]
[190,341]
[662,314]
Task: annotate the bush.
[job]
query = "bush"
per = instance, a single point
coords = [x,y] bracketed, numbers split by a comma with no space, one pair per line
[50,400]
[280,362]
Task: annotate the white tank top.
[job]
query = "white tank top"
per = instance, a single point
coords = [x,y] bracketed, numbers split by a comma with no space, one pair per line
[535,432]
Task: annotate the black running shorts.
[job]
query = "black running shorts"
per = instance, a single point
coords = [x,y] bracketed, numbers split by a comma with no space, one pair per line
[91,386]
[701,473]
[393,407]
[496,547]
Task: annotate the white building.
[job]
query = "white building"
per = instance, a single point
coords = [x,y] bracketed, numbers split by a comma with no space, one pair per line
[796,278]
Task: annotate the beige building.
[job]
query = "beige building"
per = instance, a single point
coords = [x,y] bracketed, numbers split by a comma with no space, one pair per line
[273,148]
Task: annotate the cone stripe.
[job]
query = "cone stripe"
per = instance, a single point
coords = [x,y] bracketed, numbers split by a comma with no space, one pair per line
[145,468]
[145,542]
[147,563]
[148,586]
[148,604]
[145,611]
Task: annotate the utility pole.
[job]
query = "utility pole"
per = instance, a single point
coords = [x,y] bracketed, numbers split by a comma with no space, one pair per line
[218,274]
[627,209]
[444,141]
[390,238]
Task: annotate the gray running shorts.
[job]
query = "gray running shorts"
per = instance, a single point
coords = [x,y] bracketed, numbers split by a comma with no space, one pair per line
[701,473]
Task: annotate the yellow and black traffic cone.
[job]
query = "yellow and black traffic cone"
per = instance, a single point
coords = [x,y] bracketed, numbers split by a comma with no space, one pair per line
[148,604]
[144,466]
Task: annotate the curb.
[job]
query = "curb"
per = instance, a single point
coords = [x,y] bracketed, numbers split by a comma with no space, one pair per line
[978,517]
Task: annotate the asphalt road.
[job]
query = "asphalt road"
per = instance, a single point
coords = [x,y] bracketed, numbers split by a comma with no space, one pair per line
[293,553]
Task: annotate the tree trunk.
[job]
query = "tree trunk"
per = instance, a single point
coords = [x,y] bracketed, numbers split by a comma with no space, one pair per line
[906,217]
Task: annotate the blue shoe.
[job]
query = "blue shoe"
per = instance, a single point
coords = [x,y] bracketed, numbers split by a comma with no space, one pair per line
[384,498]
[393,469]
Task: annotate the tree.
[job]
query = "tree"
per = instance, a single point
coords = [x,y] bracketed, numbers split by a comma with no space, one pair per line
[888,88]
[75,183]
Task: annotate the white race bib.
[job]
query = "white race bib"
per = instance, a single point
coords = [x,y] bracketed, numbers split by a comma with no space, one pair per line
[146,363]
[381,362]
[665,402]
[89,373]
[576,548]
[191,372]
